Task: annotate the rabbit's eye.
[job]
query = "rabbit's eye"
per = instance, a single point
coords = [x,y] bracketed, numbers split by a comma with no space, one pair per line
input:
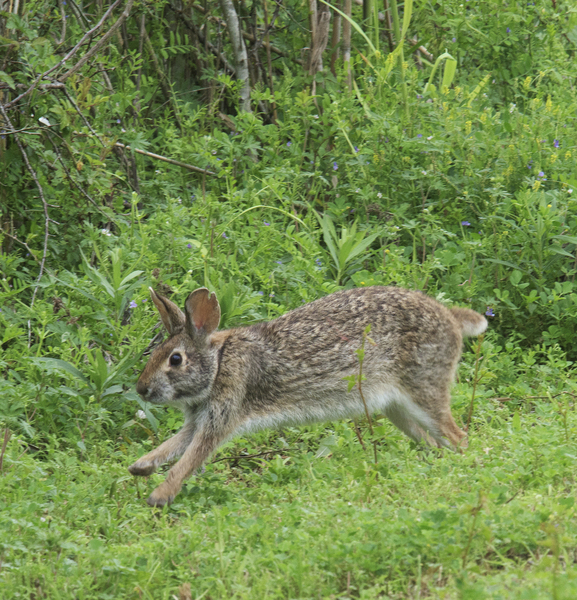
[175,360]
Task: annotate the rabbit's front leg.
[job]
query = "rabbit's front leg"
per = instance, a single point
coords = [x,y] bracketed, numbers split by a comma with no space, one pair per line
[216,426]
[198,451]
[173,447]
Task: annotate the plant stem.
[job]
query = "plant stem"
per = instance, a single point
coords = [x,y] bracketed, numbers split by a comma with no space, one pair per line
[401,57]
[475,380]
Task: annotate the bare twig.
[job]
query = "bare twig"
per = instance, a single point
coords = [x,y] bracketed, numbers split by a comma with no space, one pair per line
[27,130]
[267,27]
[509,398]
[336,39]
[358,432]
[251,455]
[42,86]
[63,15]
[86,122]
[204,39]
[19,241]
[100,43]
[165,159]
[7,435]
[248,36]
[47,219]
[163,80]
[79,188]
[268,56]
[69,55]
[139,73]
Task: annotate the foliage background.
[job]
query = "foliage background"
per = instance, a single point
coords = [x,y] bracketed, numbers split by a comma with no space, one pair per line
[458,183]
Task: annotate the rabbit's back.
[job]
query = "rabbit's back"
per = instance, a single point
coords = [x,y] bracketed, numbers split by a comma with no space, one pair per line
[294,367]
[409,330]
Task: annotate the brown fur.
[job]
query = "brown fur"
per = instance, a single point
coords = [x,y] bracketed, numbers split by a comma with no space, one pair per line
[291,370]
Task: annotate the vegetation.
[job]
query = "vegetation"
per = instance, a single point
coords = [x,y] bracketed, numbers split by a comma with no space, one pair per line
[140,147]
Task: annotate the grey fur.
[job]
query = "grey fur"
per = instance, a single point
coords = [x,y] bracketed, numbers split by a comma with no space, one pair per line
[291,370]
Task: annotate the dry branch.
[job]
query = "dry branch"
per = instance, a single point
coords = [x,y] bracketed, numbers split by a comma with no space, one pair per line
[100,43]
[69,55]
[165,159]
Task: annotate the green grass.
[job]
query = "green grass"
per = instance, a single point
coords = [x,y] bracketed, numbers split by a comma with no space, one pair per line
[313,519]
[468,194]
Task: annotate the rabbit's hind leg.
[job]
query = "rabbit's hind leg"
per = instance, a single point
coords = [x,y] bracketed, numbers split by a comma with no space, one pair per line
[441,425]
[414,422]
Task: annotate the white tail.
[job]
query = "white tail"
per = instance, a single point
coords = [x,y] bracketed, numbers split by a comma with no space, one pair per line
[472,323]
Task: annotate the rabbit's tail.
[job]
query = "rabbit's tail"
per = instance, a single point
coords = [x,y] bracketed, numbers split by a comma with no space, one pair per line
[471,322]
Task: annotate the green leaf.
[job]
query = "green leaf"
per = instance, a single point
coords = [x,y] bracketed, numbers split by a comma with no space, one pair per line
[505,263]
[326,445]
[566,239]
[363,245]
[449,73]
[145,406]
[62,365]
[7,79]
[130,277]
[114,389]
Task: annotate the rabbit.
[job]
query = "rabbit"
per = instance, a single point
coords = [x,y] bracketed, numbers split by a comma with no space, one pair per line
[292,370]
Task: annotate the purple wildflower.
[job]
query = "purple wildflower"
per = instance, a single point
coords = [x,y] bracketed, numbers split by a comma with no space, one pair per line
[335,166]
[356,149]
[266,224]
[419,135]
[145,299]
[556,143]
[289,144]
[318,261]
[224,236]
[133,304]
[508,30]
[118,121]
[260,293]
[490,312]
[465,223]
[189,245]
[541,174]
[454,40]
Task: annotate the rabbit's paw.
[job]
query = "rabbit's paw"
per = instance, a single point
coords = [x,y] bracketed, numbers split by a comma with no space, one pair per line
[142,468]
[160,497]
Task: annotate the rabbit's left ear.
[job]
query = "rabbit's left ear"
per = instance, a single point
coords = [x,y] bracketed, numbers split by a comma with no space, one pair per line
[202,313]
[172,317]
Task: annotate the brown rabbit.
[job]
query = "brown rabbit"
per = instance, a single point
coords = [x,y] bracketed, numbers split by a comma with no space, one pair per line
[291,370]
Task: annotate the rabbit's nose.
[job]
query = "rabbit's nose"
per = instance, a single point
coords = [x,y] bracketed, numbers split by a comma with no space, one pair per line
[142,387]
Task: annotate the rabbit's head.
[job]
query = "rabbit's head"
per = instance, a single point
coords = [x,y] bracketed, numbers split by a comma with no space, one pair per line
[182,369]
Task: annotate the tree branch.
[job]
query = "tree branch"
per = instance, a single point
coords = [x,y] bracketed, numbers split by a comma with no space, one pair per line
[165,159]
[70,54]
[100,43]
[239,51]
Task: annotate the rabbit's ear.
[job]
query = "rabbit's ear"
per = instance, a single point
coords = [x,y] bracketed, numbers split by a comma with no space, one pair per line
[172,317]
[202,313]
